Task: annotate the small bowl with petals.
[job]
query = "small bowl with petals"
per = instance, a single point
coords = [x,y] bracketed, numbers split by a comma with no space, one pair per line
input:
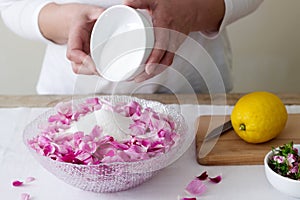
[97,162]
[283,180]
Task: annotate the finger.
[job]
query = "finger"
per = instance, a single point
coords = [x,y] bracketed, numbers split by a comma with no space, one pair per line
[153,60]
[79,37]
[159,69]
[159,49]
[144,76]
[165,62]
[80,69]
[76,56]
[92,15]
[78,46]
[176,39]
[86,66]
[168,58]
[89,64]
[75,47]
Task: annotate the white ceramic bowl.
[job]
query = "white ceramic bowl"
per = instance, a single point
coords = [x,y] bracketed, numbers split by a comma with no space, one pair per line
[121,41]
[115,176]
[283,184]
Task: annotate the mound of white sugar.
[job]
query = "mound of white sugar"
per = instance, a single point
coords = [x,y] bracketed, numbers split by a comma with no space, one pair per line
[113,124]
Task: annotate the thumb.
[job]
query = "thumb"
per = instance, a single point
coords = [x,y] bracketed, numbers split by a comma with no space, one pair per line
[139,4]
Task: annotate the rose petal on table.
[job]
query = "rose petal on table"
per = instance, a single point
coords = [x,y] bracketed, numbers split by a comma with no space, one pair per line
[216,179]
[25,196]
[29,179]
[196,187]
[17,183]
[188,198]
[203,176]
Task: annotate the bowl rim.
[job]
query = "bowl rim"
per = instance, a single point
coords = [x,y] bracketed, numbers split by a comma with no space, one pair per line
[267,167]
[138,14]
[143,25]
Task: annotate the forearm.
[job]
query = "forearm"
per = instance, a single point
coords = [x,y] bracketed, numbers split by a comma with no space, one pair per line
[58,21]
[54,21]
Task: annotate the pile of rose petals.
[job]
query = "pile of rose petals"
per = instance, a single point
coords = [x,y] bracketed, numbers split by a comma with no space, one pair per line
[153,134]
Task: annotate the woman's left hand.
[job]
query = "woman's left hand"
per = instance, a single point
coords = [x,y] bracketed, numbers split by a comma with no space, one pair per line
[78,46]
[71,24]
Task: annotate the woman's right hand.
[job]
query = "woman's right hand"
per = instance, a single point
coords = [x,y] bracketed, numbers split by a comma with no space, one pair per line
[71,24]
[173,20]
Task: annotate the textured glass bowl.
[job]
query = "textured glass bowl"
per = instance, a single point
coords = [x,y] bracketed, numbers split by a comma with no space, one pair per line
[117,176]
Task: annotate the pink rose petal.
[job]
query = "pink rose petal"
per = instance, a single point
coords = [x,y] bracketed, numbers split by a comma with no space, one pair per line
[216,179]
[203,176]
[29,179]
[25,196]
[17,183]
[196,187]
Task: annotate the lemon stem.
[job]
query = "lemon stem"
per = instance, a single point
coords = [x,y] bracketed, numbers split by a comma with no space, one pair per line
[242,127]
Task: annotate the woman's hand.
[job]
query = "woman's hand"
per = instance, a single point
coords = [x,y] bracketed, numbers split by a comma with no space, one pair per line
[71,24]
[173,20]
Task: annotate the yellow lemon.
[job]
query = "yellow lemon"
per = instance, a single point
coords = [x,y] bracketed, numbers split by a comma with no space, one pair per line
[259,117]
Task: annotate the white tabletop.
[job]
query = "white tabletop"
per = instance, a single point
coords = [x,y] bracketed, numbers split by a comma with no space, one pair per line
[238,182]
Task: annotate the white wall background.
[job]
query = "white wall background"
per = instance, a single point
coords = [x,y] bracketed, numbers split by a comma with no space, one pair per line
[266,48]
[20,62]
[265,45]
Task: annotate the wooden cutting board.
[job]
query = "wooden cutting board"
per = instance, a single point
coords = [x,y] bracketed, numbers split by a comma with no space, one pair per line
[229,149]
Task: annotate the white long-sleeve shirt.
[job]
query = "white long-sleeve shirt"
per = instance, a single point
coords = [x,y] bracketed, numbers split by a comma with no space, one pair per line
[202,63]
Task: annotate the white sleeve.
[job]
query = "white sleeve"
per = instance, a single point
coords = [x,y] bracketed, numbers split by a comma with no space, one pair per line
[234,10]
[21,16]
